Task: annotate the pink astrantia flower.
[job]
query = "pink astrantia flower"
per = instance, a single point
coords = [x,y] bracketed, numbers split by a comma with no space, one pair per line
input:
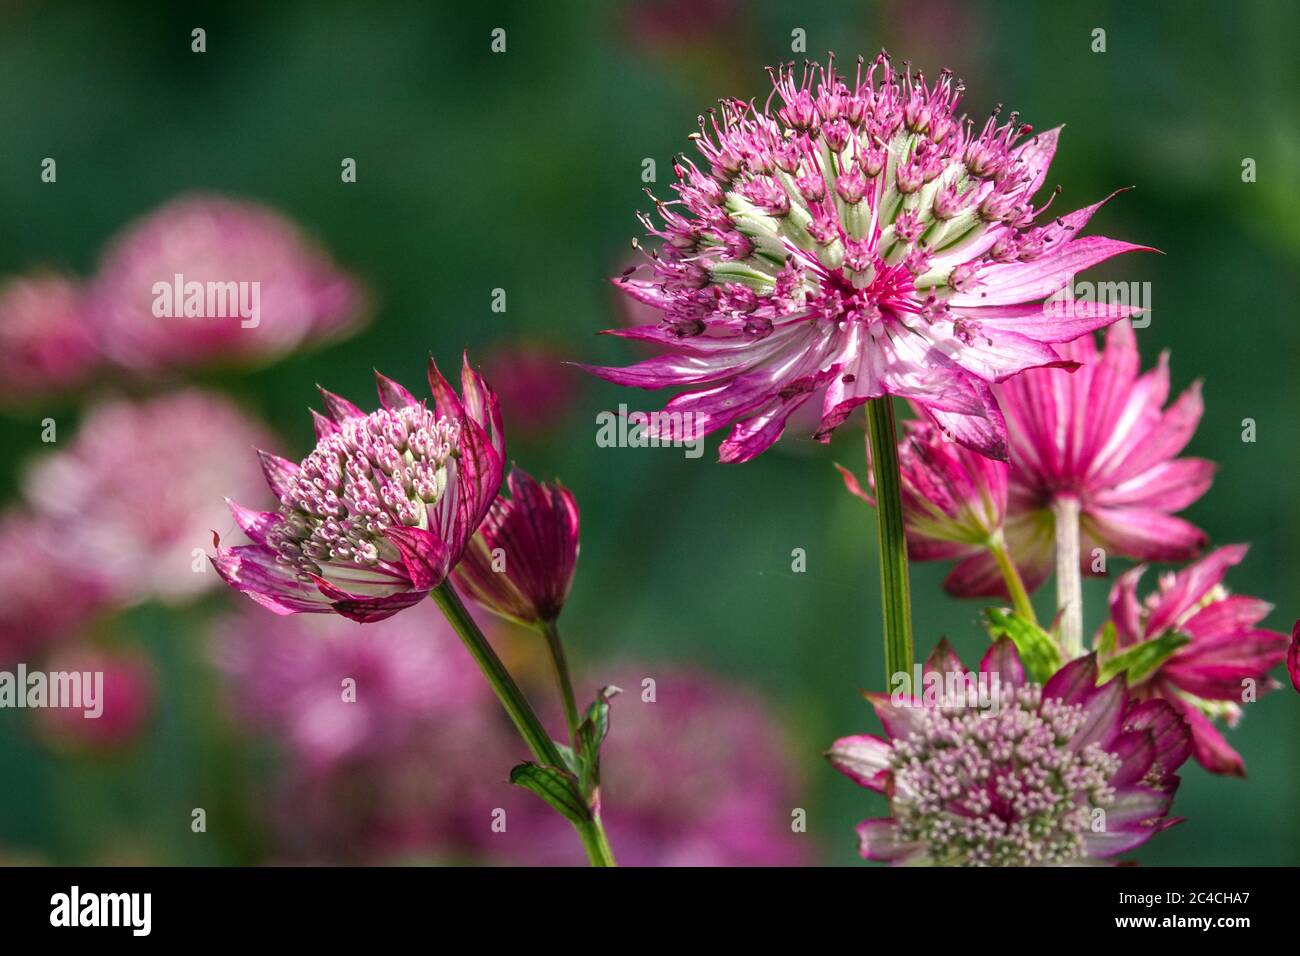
[378,769]
[45,343]
[857,241]
[699,775]
[1206,677]
[224,246]
[520,564]
[381,511]
[139,488]
[1021,782]
[536,385]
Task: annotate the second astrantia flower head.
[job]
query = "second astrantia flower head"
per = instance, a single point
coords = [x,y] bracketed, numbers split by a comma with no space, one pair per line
[853,241]
[381,510]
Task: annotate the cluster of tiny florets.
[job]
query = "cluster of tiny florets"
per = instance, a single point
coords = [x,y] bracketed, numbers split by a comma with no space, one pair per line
[844,200]
[1002,789]
[382,471]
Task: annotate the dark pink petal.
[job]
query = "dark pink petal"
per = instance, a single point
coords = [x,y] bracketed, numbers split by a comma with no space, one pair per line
[853,485]
[898,720]
[1126,609]
[943,661]
[483,407]
[1103,714]
[323,426]
[425,556]
[1075,683]
[1218,668]
[445,400]
[1229,615]
[864,759]
[1191,585]
[1044,276]
[1136,751]
[279,472]
[1208,746]
[392,395]
[1169,486]
[1143,534]
[1002,659]
[255,524]
[1166,437]
[1131,819]
[254,570]
[338,408]
[1053,321]
[370,610]
[984,433]
[1169,733]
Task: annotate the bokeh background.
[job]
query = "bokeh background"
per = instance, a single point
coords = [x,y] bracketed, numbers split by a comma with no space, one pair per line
[522,171]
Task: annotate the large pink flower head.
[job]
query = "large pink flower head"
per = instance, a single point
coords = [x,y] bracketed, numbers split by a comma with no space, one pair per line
[138,490]
[45,342]
[851,241]
[1016,773]
[170,289]
[1223,660]
[695,772]
[520,564]
[381,510]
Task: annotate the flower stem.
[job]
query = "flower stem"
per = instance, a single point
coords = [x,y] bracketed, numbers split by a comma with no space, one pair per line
[1069,580]
[896,600]
[1011,577]
[565,681]
[516,705]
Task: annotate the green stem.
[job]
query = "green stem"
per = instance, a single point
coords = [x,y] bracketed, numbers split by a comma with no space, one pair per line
[1011,576]
[896,599]
[525,719]
[553,641]
[1069,579]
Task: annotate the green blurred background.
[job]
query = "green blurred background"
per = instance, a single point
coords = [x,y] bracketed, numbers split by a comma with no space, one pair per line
[523,171]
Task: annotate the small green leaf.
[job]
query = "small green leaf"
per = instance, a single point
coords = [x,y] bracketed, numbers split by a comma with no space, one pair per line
[1141,660]
[1038,652]
[557,787]
[591,734]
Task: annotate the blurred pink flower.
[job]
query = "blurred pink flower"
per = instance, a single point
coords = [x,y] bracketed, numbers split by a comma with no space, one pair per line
[48,591]
[857,241]
[671,24]
[128,692]
[381,510]
[535,530]
[537,387]
[138,491]
[1207,677]
[1020,782]
[45,343]
[700,776]
[303,297]
[383,730]
[1293,657]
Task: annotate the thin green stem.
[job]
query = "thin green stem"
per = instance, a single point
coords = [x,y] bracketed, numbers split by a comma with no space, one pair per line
[562,676]
[1011,576]
[592,831]
[896,599]
[1069,579]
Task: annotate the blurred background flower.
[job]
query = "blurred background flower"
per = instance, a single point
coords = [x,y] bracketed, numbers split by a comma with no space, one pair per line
[46,345]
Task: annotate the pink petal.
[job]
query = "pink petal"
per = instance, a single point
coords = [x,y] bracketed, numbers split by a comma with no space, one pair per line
[864,759]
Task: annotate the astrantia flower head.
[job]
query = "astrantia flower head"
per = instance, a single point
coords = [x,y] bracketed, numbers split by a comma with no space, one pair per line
[853,240]
[139,488]
[380,512]
[520,564]
[1060,773]
[226,246]
[1225,652]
